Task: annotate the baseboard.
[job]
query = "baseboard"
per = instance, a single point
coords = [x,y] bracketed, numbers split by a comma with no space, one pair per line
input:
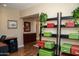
[20,46]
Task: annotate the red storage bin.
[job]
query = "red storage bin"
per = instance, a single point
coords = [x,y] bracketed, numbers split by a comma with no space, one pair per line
[75,50]
[70,24]
[40,44]
[50,25]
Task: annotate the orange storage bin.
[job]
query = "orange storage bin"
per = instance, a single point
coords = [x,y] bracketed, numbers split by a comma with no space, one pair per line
[50,25]
[75,50]
[70,24]
[40,44]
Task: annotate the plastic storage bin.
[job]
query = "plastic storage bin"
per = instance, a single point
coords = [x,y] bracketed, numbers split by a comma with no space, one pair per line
[40,44]
[74,36]
[49,44]
[75,50]
[70,24]
[66,48]
[47,34]
[50,25]
[44,52]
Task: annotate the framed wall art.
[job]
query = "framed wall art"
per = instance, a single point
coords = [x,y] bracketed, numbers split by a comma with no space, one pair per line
[12,24]
[27,26]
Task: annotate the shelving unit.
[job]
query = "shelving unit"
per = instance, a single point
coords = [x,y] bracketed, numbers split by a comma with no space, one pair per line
[59,36]
[65,54]
[53,35]
[62,26]
[66,36]
[45,26]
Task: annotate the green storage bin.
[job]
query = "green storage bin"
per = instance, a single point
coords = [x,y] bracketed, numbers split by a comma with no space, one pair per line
[74,36]
[47,34]
[49,44]
[44,52]
[66,48]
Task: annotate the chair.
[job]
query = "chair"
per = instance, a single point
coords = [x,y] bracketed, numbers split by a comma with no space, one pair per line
[2,38]
[3,46]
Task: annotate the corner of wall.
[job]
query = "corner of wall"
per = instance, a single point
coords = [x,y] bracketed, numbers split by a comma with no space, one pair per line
[19,46]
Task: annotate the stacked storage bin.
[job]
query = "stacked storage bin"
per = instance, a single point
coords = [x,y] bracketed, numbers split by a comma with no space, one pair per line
[40,43]
[70,49]
[74,36]
[47,50]
[75,50]
[66,48]
[49,45]
[44,52]
[47,34]
[70,24]
[50,25]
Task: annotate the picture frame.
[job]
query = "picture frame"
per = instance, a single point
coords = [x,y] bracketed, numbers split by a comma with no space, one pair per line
[27,26]
[12,24]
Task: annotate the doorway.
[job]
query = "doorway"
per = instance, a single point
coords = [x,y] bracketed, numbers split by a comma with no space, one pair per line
[31,28]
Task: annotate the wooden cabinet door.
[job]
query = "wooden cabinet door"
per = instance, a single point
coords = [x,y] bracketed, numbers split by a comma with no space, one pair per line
[29,37]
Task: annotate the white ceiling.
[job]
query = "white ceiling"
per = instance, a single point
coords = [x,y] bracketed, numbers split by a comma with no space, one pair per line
[20,6]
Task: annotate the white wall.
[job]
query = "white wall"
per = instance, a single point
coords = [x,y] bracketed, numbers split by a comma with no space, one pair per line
[11,14]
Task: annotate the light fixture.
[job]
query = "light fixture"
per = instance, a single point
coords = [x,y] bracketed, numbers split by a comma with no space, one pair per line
[4,5]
